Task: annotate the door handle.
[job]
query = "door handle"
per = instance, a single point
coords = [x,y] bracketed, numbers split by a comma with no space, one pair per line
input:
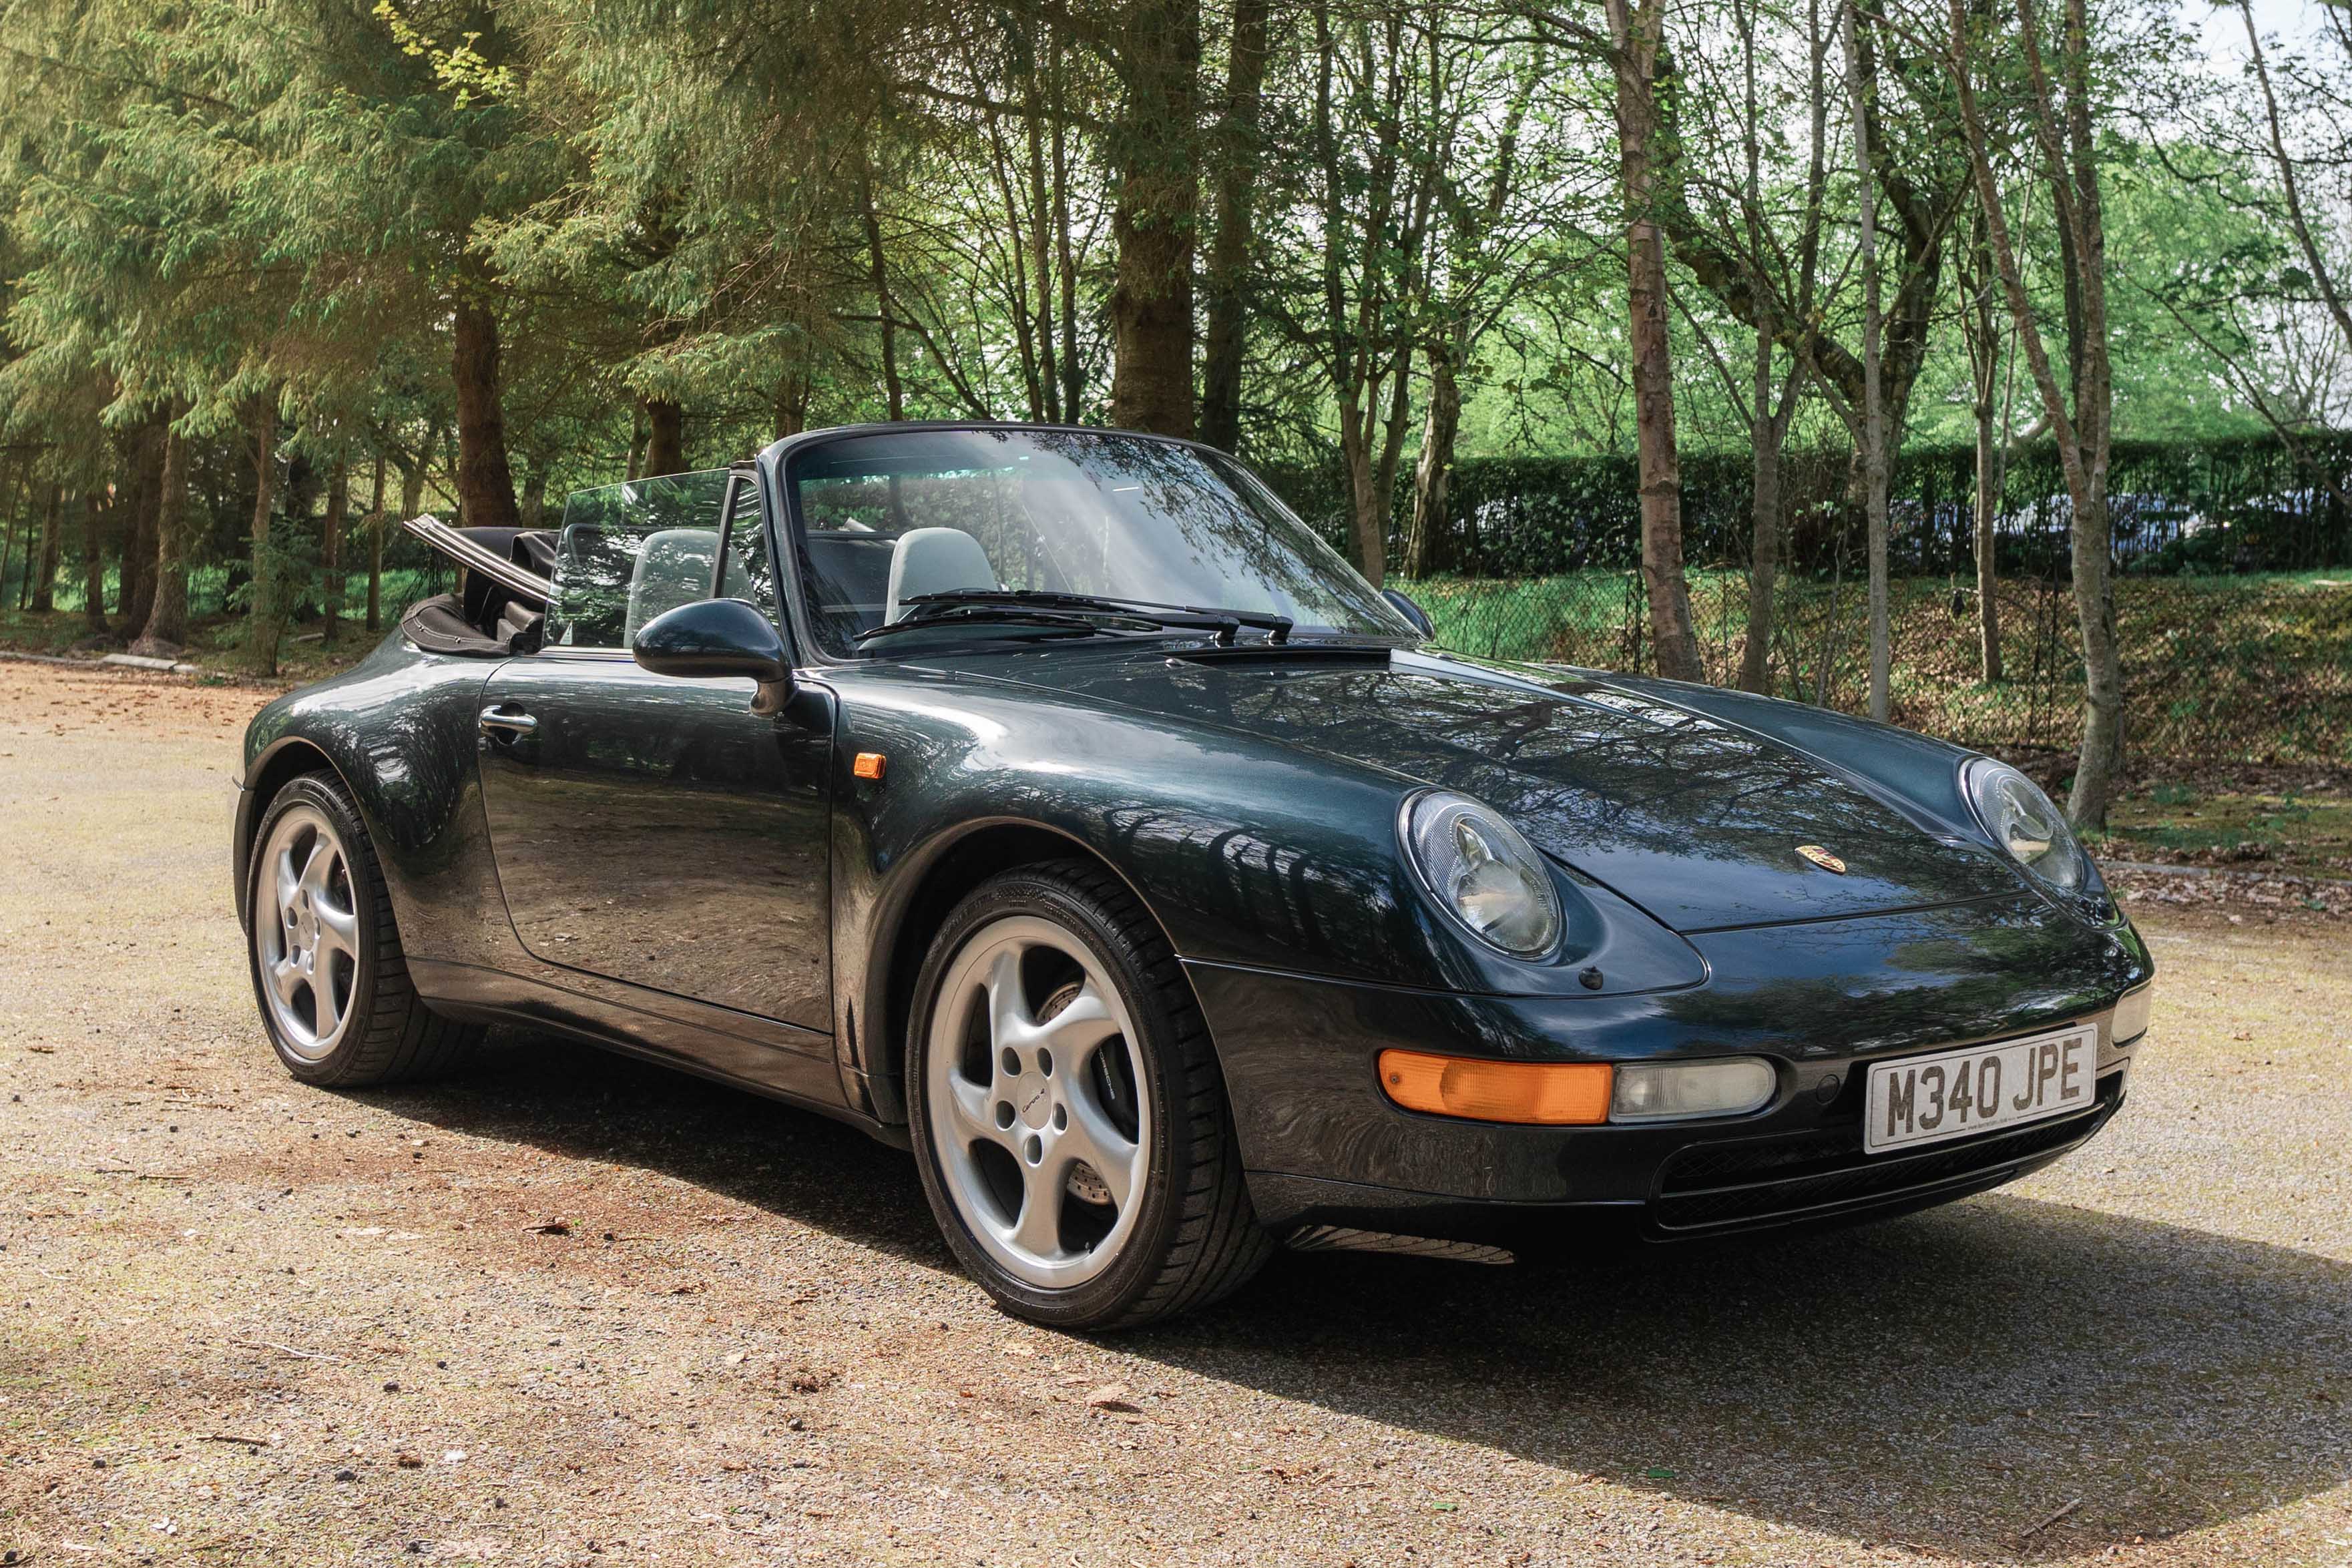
[511,723]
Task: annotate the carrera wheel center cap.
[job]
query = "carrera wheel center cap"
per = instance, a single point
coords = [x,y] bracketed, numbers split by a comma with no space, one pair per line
[1033,1098]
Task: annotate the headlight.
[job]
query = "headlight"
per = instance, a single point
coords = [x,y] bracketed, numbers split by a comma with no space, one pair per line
[1482,873]
[2025,823]
[1671,1091]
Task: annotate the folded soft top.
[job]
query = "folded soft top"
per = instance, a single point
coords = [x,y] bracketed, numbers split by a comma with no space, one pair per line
[504,586]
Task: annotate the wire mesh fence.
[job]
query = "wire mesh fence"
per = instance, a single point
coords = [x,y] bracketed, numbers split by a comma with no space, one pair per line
[2246,669]
[2233,589]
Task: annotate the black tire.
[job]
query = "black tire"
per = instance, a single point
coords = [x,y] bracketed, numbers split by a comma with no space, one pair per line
[392,1036]
[1196,1238]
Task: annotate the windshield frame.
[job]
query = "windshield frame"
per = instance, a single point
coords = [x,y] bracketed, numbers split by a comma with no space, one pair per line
[789,527]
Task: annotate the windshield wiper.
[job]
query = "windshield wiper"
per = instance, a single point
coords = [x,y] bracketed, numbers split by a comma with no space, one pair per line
[1225,624]
[951,616]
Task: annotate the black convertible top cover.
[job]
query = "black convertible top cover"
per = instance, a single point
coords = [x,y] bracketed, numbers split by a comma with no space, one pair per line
[483,620]
[438,625]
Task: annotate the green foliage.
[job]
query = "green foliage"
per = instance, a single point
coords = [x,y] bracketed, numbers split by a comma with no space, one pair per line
[2247,670]
[2240,503]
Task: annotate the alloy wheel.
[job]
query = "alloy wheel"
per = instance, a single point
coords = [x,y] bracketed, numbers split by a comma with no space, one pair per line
[1034,1080]
[306,932]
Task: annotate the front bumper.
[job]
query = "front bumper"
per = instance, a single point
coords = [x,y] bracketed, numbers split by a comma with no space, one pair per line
[1324,1147]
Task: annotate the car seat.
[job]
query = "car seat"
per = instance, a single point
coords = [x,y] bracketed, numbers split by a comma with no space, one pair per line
[675,567]
[935,560]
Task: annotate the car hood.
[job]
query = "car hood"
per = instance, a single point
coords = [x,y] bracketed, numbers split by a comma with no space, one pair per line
[1696,820]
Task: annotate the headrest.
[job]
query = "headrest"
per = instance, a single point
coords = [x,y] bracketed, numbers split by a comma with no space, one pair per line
[935,560]
[674,567]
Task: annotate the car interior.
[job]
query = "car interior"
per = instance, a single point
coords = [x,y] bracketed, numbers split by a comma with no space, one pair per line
[607,579]
[484,618]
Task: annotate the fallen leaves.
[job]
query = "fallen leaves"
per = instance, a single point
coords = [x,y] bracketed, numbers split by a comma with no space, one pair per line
[1114,1397]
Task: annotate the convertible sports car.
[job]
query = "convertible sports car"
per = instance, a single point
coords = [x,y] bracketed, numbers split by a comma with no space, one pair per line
[1055,804]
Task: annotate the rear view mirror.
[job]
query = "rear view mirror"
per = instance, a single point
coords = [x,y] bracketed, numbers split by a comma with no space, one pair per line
[1405,606]
[717,637]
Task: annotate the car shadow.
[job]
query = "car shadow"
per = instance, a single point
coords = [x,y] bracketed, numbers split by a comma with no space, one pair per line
[1949,1381]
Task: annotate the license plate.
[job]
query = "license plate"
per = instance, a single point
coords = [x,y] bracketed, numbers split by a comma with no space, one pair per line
[1953,1093]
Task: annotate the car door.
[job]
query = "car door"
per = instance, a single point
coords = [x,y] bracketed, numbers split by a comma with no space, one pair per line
[649,828]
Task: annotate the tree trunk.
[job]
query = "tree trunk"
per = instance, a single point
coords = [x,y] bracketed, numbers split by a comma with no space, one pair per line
[1871,438]
[167,620]
[791,404]
[878,277]
[1367,530]
[375,550]
[94,558]
[1770,429]
[1984,373]
[1434,473]
[45,580]
[1229,252]
[486,491]
[1988,498]
[1074,370]
[2083,435]
[665,437]
[265,621]
[136,601]
[534,498]
[1152,221]
[1636,28]
[330,550]
[411,484]
[1041,243]
[2099,763]
[8,509]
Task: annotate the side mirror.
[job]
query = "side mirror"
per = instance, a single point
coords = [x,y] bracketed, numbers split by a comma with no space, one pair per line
[715,637]
[1412,611]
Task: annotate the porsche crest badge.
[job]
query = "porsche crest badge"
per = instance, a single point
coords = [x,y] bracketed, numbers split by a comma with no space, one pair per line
[1821,858]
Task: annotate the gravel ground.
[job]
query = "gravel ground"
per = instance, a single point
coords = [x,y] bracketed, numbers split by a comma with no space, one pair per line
[570,1309]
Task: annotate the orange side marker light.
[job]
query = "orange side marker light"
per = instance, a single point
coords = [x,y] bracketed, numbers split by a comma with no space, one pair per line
[1551,1093]
[869,765]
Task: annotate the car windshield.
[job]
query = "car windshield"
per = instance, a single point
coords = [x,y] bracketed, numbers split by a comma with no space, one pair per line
[899,524]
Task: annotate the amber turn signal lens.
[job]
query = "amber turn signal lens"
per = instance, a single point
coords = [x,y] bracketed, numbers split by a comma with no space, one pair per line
[1563,1093]
[868,764]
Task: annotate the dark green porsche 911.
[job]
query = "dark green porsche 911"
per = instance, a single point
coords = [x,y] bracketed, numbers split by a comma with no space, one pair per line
[1055,804]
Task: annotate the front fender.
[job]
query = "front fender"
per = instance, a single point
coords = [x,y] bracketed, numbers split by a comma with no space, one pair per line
[1248,853]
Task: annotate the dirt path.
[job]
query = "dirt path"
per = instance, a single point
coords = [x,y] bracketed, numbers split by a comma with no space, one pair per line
[573,1309]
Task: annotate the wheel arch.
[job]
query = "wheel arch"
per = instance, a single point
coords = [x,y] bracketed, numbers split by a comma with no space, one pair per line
[921,897]
[286,761]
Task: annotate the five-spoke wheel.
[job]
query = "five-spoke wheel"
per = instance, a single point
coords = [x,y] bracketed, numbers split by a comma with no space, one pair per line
[327,963]
[1070,1118]
[308,940]
[1042,1138]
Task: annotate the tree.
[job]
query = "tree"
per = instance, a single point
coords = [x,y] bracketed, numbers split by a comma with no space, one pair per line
[1870,416]
[166,627]
[1238,153]
[1158,64]
[2057,107]
[1978,308]
[1722,187]
[1502,228]
[1636,36]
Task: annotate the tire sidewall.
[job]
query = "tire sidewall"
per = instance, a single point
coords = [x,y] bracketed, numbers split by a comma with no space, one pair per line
[314,790]
[1141,1260]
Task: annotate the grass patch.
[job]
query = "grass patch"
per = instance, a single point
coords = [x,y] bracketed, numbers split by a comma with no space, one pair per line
[2307,834]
